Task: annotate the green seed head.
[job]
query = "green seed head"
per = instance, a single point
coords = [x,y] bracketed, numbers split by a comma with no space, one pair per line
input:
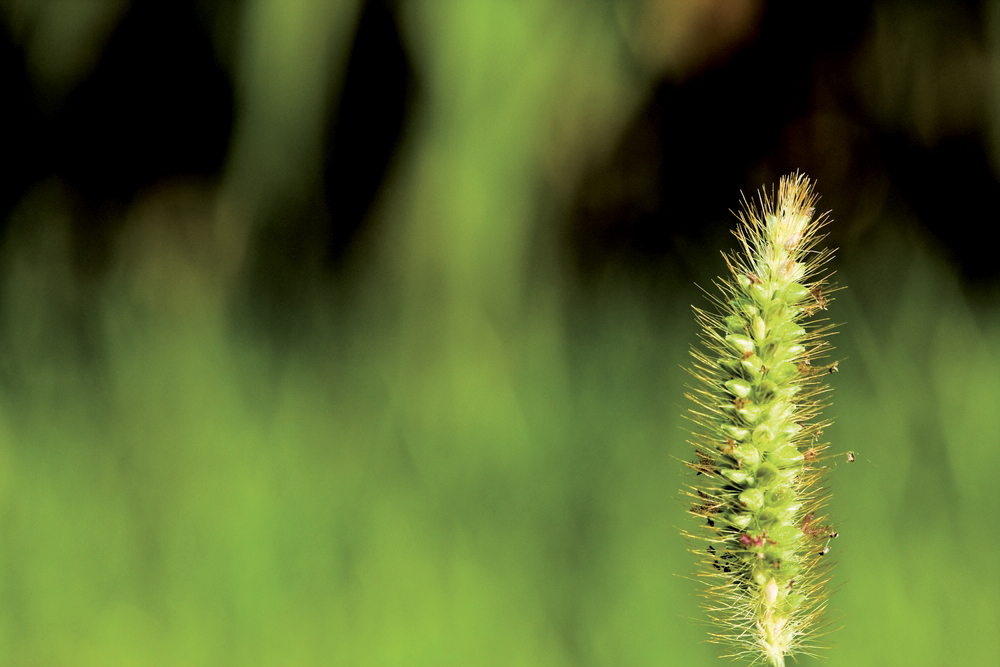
[757,423]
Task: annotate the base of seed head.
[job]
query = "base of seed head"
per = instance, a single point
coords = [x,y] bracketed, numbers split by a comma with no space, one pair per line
[757,427]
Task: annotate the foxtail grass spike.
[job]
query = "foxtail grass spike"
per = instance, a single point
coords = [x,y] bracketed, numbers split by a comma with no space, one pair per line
[756,485]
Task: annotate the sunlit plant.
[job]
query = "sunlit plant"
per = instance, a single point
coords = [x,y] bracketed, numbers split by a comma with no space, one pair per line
[757,434]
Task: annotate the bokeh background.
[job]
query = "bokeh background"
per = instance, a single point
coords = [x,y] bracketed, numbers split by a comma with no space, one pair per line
[351,332]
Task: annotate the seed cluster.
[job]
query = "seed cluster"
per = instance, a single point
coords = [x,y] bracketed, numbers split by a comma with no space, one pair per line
[757,431]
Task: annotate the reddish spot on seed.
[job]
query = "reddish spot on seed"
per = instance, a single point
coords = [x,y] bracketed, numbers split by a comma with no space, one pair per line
[754,540]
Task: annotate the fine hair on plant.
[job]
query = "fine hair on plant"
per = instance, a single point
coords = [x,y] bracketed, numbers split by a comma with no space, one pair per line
[756,482]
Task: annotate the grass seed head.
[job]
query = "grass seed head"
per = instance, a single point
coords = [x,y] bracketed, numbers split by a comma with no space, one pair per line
[760,375]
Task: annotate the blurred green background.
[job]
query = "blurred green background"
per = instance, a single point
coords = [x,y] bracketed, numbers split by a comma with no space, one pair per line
[351,332]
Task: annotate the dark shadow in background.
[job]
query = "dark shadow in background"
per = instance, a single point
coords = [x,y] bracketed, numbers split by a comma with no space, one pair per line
[21,130]
[662,199]
[159,105]
[311,236]
[377,99]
